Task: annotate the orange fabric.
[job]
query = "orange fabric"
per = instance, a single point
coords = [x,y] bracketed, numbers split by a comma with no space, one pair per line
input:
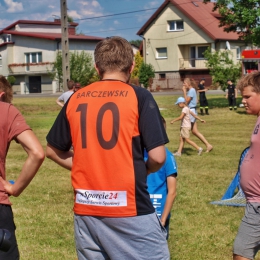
[95,117]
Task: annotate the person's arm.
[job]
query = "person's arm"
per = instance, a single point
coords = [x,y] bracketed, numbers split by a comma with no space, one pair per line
[235,92]
[194,115]
[188,99]
[171,186]
[35,153]
[59,103]
[178,118]
[156,159]
[63,158]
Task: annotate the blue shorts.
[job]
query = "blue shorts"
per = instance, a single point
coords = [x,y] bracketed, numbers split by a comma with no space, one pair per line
[247,242]
[141,237]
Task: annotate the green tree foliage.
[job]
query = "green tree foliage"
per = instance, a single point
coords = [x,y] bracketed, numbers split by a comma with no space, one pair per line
[81,68]
[146,73]
[11,79]
[222,67]
[138,62]
[240,14]
[137,43]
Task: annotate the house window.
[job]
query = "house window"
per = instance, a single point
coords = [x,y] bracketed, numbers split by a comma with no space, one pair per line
[162,76]
[175,25]
[33,57]
[0,60]
[161,53]
[201,50]
[238,52]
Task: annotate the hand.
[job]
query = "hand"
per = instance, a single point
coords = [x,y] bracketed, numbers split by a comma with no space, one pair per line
[172,122]
[202,121]
[162,222]
[7,186]
[184,89]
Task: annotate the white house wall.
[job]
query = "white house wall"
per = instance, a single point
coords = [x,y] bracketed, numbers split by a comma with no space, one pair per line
[157,36]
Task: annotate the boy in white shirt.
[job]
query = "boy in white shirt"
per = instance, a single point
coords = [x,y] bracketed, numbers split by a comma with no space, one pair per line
[185,126]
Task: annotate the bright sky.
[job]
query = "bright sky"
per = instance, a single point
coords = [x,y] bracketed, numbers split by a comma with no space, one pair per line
[125,25]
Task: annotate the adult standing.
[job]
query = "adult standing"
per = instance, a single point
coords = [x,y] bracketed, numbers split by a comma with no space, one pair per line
[110,123]
[63,98]
[231,95]
[14,127]
[202,98]
[190,96]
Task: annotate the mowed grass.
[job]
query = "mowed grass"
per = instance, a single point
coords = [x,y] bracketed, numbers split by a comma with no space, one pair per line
[198,230]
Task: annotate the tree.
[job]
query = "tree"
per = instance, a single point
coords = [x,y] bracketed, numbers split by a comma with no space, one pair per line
[138,62]
[222,67]
[146,73]
[11,79]
[137,43]
[241,16]
[81,68]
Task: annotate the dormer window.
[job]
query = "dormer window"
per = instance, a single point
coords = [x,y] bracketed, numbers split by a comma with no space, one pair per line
[176,25]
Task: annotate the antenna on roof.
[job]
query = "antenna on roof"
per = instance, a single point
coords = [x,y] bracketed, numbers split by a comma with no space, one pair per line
[195,4]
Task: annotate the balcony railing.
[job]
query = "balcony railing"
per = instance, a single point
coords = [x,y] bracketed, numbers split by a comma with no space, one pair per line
[23,68]
[192,63]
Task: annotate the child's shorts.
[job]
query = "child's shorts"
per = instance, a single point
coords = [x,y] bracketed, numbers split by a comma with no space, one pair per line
[247,242]
[185,132]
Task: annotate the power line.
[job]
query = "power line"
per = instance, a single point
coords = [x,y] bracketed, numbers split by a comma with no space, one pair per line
[102,16]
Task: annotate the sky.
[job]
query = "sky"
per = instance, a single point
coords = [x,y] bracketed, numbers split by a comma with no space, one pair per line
[83,12]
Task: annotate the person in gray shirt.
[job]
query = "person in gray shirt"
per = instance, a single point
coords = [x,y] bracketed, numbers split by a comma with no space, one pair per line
[63,98]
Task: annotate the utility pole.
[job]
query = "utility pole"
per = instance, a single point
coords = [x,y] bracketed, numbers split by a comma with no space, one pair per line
[65,43]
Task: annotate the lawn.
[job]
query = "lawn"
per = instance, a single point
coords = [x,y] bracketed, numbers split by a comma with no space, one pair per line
[198,231]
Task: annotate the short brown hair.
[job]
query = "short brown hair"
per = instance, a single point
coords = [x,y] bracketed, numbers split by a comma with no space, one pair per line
[251,79]
[113,54]
[70,84]
[7,89]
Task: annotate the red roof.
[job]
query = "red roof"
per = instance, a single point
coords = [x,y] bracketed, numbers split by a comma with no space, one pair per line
[200,14]
[51,36]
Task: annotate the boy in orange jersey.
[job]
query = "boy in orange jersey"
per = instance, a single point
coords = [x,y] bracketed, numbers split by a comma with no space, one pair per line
[110,123]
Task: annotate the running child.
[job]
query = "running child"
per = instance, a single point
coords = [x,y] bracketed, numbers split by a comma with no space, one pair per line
[186,126]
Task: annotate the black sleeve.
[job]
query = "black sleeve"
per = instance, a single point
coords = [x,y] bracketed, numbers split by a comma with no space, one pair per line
[152,131]
[59,136]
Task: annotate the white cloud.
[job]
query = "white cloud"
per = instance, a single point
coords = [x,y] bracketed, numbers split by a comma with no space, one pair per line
[13,7]
[52,6]
[116,22]
[95,4]
[74,14]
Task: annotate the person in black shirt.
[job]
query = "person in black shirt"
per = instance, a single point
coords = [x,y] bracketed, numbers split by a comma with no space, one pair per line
[231,95]
[203,100]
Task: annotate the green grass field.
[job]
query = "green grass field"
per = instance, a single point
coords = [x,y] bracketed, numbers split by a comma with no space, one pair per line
[198,231]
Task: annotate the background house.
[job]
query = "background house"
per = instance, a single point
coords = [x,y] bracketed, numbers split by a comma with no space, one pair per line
[28,50]
[175,37]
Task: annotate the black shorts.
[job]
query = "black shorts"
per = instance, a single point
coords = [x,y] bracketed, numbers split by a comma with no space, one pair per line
[7,222]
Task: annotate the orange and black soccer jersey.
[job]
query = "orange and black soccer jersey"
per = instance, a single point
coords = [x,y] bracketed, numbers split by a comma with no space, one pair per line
[109,123]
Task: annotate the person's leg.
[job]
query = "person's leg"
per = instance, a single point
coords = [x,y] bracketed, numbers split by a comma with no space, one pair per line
[141,237]
[234,103]
[195,131]
[238,257]
[230,103]
[247,241]
[7,222]
[181,145]
[192,143]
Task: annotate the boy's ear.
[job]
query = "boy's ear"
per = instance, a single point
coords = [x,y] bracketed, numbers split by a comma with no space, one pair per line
[96,68]
[132,67]
[2,95]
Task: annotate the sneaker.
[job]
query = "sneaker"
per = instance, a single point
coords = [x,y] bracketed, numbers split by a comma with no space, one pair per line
[200,151]
[177,154]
